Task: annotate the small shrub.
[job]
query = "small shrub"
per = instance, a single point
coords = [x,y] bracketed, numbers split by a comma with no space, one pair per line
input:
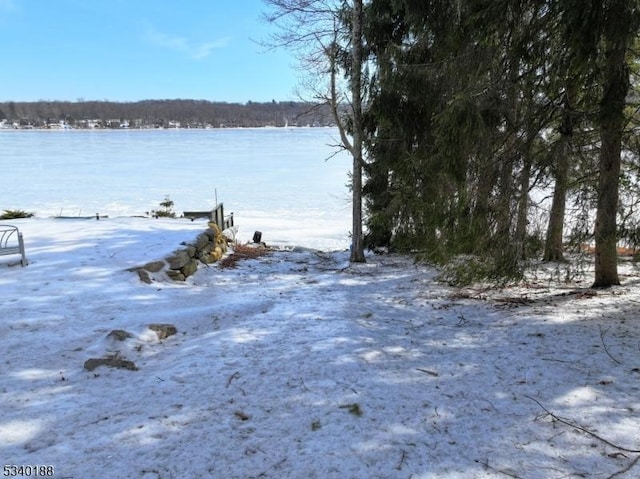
[465,270]
[166,209]
[15,214]
[534,245]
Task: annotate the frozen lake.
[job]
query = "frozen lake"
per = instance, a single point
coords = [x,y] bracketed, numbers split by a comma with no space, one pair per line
[279,181]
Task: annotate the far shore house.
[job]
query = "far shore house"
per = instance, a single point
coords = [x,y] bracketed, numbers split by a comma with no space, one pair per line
[88,124]
[58,125]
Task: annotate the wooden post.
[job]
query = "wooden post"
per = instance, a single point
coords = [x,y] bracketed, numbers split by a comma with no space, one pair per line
[217,215]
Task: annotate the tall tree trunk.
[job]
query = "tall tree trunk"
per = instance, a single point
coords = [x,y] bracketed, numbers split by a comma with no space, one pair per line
[504,250]
[480,230]
[316,29]
[553,247]
[504,247]
[611,122]
[523,205]
[357,243]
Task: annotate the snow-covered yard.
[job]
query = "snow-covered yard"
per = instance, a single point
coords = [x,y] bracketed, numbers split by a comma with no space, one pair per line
[300,365]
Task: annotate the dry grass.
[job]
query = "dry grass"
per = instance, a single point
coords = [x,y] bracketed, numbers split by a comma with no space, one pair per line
[241,252]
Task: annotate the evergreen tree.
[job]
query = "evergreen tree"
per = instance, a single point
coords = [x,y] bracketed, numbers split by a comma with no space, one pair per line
[600,35]
[454,119]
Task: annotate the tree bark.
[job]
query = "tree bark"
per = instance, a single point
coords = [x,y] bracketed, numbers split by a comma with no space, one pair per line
[611,122]
[523,206]
[357,243]
[506,252]
[317,30]
[553,248]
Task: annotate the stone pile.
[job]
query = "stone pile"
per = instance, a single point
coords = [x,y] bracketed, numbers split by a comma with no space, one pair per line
[120,341]
[208,247]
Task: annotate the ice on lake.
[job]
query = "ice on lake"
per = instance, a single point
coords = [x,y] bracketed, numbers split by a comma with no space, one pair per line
[286,182]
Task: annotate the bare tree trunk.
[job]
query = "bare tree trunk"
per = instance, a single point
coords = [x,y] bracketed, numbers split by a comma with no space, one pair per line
[553,248]
[480,229]
[616,86]
[318,27]
[504,247]
[523,206]
[357,243]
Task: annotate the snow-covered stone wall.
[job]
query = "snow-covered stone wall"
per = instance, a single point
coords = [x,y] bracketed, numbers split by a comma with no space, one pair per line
[208,247]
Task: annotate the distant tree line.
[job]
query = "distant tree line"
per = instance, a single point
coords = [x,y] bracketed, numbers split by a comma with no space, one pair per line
[164,113]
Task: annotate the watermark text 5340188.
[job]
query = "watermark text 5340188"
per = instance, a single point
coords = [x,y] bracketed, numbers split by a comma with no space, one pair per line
[12,470]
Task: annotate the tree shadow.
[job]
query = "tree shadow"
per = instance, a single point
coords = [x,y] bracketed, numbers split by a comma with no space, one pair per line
[297,366]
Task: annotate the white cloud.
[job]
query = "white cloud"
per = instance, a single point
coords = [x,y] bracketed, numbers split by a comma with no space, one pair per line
[180,44]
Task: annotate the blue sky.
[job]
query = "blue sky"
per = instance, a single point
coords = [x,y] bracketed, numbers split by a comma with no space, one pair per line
[129,50]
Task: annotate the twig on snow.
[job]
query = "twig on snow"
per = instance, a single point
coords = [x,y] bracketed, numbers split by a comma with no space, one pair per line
[583,429]
[402,458]
[304,386]
[626,469]
[235,375]
[485,463]
[603,333]
[558,360]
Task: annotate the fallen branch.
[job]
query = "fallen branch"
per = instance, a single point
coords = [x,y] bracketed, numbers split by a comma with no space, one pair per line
[626,469]
[402,458]
[235,375]
[512,300]
[583,429]
[485,463]
[602,335]
[304,386]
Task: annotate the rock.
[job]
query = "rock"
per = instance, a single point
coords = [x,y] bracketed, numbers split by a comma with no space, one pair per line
[163,330]
[144,276]
[214,227]
[212,233]
[119,335]
[154,266]
[179,259]
[190,268]
[176,275]
[202,241]
[93,363]
[205,251]
[143,271]
[207,259]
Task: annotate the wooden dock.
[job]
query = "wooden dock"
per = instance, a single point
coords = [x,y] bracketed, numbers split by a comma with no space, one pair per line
[216,215]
